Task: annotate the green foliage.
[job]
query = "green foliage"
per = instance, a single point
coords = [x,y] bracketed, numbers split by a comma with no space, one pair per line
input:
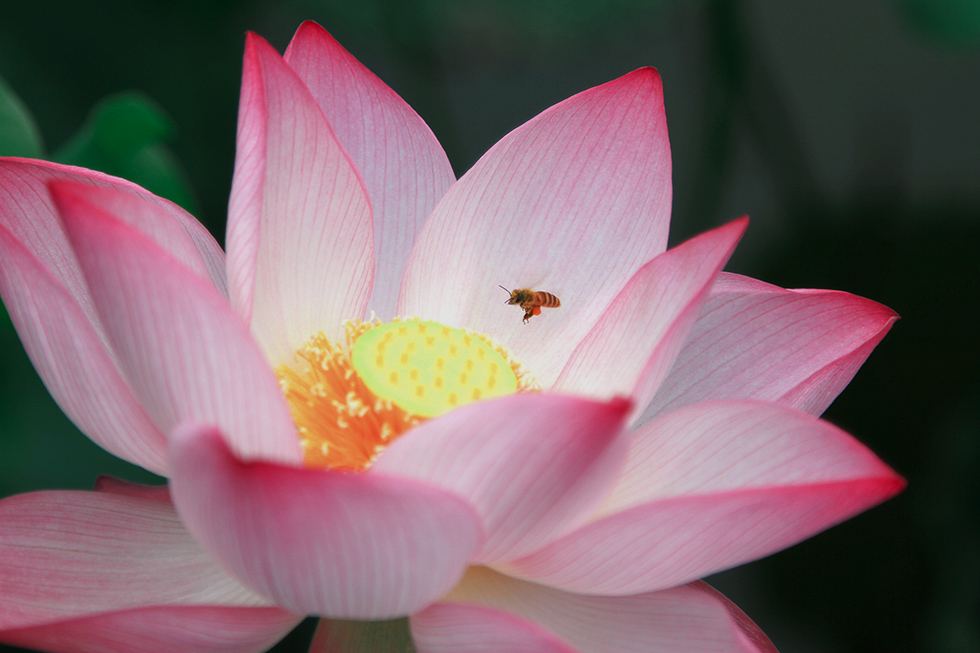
[125,136]
[19,135]
[947,21]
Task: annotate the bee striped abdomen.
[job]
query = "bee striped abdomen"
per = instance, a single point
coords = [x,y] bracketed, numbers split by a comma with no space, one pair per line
[546,299]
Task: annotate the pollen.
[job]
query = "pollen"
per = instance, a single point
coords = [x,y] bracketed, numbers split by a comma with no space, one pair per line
[350,401]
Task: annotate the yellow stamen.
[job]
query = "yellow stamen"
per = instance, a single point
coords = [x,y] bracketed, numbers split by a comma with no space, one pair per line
[349,402]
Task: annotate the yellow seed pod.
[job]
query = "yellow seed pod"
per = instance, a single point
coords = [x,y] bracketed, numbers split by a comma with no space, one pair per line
[428,368]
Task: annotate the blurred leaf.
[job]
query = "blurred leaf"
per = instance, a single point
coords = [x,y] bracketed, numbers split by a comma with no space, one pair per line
[19,135]
[948,21]
[125,135]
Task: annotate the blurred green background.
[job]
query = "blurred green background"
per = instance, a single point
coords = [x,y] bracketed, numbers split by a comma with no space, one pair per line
[848,131]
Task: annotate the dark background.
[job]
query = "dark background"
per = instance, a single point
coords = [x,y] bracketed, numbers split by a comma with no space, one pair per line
[848,130]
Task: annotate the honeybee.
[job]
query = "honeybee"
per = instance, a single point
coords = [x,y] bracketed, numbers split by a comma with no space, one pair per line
[532,301]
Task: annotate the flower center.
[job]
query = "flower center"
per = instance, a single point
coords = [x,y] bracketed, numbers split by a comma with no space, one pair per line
[350,402]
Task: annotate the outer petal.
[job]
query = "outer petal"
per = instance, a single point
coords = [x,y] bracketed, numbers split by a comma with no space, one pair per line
[69,352]
[67,555]
[299,221]
[404,168]
[684,619]
[185,353]
[631,348]
[574,202]
[709,487]
[50,305]
[533,466]
[189,629]
[757,341]
[349,546]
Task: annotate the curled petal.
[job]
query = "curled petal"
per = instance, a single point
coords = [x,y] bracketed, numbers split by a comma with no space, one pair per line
[756,341]
[67,555]
[710,487]
[631,348]
[682,619]
[348,546]
[573,202]
[533,466]
[299,221]
[189,629]
[405,170]
[185,353]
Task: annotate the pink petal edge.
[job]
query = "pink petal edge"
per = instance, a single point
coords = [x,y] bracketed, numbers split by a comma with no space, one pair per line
[631,348]
[710,487]
[753,340]
[337,544]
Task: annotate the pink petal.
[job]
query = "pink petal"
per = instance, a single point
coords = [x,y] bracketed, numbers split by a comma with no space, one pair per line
[69,352]
[756,341]
[65,555]
[533,466]
[189,629]
[27,212]
[349,546]
[685,619]
[49,303]
[631,348]
[574,202]
[709,487]
[299,221]
[183,350]
[405,169]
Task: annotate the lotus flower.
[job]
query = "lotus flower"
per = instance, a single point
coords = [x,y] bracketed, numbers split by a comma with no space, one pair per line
[558,485]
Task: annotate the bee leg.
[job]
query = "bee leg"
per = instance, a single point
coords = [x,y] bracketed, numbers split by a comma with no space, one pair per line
[528,314]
